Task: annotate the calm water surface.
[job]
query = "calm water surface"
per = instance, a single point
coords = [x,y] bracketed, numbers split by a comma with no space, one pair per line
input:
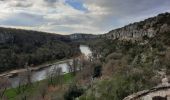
[42,74]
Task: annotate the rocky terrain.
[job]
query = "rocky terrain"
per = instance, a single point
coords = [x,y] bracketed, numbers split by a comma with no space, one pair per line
[148,27]
[118,69]
[131,66]
[82,36]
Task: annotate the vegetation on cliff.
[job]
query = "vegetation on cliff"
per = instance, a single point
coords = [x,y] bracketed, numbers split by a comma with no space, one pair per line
[117,68]
[129,66]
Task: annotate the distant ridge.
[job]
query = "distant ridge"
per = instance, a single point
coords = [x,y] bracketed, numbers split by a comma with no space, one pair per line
[82,36]
[148,27]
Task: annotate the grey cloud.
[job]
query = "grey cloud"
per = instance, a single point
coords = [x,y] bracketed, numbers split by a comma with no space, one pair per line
[23,19]
[51,1]
[113,14]
[22,4]
[128,7]
[18,3]
[121,12]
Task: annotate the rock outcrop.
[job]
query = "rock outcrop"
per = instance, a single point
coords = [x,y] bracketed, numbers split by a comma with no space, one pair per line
[148,27]
[162,91]
[82,36]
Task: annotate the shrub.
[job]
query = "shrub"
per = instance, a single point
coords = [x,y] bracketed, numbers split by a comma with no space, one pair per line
[73,92]
[97,72]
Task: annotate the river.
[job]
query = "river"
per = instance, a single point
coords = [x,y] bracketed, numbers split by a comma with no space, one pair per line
[42,74]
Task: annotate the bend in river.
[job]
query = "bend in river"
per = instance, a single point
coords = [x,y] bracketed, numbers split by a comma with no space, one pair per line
[42,74]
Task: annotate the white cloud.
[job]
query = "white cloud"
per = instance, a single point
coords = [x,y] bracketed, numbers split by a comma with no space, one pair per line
[58,16]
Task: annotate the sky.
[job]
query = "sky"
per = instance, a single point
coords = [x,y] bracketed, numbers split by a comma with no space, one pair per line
[77,16]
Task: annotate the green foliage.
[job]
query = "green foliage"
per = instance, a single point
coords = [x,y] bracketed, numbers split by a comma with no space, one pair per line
[73,92]
[119,86]
[34,48]
[129,66]
[35,88]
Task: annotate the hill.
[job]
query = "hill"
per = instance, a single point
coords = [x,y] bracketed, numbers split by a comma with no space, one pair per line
[18,47]
[133,58]
[126,60]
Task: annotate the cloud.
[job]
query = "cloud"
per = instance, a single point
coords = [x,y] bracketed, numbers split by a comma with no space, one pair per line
[51,1]
[69,16]
[117,13]
[23,19]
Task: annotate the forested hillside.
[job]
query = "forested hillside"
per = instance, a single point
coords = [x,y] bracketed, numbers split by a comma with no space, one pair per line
[18,47]
[131,65]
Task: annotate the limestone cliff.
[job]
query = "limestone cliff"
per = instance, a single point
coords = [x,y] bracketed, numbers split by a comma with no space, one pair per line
[148,27]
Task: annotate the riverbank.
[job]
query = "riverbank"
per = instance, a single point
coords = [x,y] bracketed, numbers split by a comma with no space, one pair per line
[40,72]
[83,48]
[41,81]
[12,94]
[36,68]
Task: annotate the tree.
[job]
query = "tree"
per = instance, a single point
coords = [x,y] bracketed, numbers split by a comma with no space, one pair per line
[82,62]
[70,67]
[55,76]
[58,75]
[43,89]
[22,83]
[4,84]
[24,80]
[28,74]
[73,66]
[84,76]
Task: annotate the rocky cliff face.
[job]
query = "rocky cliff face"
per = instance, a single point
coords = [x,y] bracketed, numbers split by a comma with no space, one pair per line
[82,36]
[148,27]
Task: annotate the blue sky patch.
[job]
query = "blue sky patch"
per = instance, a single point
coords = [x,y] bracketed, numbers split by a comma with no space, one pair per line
[76,4]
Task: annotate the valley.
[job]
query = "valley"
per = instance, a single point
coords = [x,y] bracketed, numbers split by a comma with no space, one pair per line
[112,66]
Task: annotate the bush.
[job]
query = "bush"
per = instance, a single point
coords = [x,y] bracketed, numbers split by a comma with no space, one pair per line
[73,92]
[97,72]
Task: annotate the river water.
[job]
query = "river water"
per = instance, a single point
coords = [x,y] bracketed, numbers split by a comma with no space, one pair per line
[42,74]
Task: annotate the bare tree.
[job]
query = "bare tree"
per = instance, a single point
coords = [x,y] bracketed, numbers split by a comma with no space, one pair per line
[58,75]
[4,84]
[28,74]
[49,77]
[70,67]
[54,76]
[82,62]
[74,66]
[84,76]
[22,83]
[43,89]
[24,80]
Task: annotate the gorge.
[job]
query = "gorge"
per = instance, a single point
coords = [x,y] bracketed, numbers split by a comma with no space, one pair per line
[41,74]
